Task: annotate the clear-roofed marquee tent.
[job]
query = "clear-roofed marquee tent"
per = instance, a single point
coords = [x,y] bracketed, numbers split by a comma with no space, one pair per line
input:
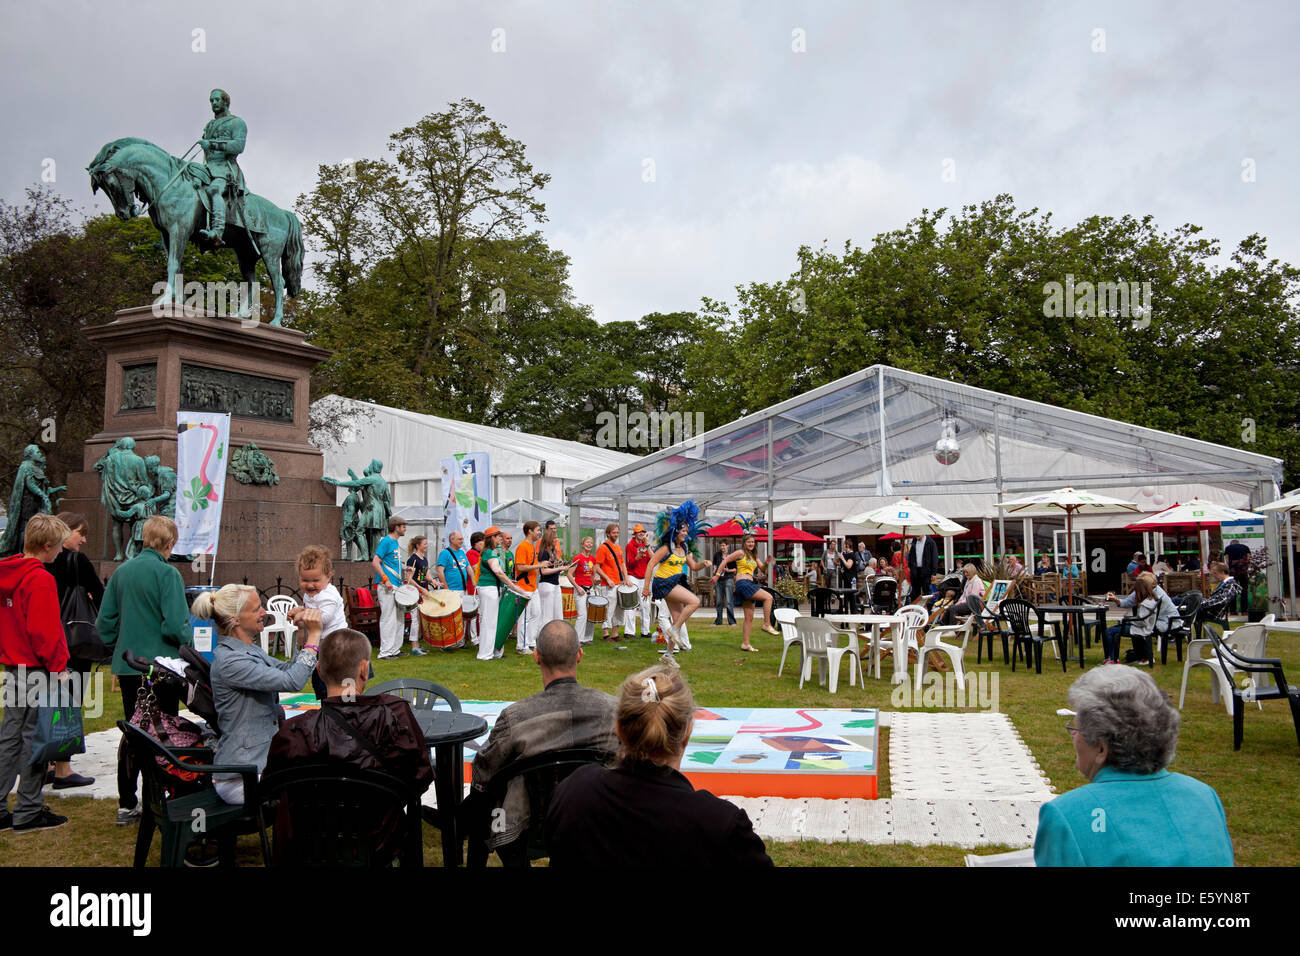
[882,433]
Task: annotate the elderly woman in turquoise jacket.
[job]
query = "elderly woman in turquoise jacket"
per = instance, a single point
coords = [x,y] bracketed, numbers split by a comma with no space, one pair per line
[1132,811]
[246,683]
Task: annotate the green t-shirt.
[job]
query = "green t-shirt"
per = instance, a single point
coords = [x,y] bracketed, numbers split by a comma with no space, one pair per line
[488,578]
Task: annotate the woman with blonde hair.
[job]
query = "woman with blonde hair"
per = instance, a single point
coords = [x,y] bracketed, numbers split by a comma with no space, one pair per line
[642,812]
[246,683]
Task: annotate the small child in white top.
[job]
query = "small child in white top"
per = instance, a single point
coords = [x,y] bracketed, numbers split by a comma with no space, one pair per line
[314,570]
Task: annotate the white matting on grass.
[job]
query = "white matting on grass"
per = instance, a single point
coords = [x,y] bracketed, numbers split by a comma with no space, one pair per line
[963,780]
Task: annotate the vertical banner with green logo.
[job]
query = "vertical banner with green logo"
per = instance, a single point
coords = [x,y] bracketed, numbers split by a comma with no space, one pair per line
[467,493]
[202,451]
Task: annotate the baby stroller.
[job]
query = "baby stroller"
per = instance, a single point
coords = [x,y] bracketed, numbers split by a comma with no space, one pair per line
[194,686]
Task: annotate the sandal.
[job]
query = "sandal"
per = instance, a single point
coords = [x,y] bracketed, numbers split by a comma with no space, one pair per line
[751,649]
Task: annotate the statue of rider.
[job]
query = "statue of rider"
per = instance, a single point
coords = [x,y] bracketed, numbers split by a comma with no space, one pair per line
[223,141]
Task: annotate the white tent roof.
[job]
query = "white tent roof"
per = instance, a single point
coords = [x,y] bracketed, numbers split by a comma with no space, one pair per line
[868,438]
[412,445]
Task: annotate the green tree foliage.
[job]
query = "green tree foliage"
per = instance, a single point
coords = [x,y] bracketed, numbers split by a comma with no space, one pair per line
[1217,357]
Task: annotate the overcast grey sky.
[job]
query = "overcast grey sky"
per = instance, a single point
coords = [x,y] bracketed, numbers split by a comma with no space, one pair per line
[758,146]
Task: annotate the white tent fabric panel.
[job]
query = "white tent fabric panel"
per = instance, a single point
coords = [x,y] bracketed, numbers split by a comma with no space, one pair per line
[412,446]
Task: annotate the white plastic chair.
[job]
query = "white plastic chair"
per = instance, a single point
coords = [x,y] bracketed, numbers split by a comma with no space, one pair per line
[954,652]
[815,634]
[911,619]
[279,607]
[1200,653]
[785,618]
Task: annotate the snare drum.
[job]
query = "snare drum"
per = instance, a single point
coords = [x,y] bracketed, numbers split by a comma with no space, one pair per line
[629,597]
[596,608]
[570,601]
[408,595]
[468,609]
[441,623]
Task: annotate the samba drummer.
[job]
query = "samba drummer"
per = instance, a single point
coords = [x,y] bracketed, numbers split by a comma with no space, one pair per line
[748,591]
[580,576]
[493,584]
[666,577]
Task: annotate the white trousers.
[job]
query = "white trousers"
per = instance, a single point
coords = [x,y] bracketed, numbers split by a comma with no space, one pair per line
[643,607]
[551,604]
[666,621]
[390,624]
[615,616]
[582,625]
[529,624]
[488,598]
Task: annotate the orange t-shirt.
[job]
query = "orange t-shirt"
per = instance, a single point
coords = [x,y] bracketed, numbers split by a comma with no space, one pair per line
[526,553]
[610,561]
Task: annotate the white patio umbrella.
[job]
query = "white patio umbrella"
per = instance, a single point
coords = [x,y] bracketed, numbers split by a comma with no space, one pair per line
[1196,513]
[1071,501]
[1287,503]
[904,514]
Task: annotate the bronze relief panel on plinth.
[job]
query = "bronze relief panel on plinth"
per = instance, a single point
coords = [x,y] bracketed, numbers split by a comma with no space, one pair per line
[139,386]
[237,393]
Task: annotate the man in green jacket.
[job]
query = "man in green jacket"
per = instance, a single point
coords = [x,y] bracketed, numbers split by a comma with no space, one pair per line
[144,604]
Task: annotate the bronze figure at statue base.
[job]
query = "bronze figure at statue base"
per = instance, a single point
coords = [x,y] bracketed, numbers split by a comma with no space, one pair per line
[196,360]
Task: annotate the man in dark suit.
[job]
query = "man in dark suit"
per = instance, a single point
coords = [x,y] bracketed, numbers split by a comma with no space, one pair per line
[922,564]
[563,716]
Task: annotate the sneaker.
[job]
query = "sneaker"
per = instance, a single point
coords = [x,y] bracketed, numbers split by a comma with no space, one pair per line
[418,652]
[47,819]
[669,661]
[127,817]
[72,780]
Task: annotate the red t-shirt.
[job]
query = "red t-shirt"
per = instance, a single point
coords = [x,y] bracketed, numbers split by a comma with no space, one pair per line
[582,565]
[638,556]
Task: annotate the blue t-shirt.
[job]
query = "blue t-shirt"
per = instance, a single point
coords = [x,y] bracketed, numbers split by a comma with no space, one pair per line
[454,564]
[388,556]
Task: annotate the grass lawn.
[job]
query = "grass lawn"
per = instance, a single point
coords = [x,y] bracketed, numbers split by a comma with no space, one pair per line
[1257,785]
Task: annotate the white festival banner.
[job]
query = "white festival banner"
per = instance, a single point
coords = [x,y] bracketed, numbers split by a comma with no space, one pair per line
[467,493]
[202,452]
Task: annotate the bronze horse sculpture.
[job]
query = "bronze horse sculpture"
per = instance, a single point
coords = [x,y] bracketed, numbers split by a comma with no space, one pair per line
[131,168]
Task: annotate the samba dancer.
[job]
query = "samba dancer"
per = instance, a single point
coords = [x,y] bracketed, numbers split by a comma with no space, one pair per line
[748,591]
[666,576]
[492,581]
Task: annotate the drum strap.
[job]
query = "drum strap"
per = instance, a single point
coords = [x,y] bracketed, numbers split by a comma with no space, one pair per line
[464,571]
[617,563]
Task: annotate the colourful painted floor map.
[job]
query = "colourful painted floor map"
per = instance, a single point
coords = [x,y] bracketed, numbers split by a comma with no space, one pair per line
[768,740]
[776,751]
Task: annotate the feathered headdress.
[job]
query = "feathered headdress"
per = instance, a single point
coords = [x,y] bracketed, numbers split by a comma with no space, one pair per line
[747,525]
[667,522]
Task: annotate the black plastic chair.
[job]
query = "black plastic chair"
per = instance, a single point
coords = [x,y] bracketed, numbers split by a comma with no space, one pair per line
[884,596]
[421,694]
[1229,660]
[1016,612]
[1126,630]
[819,601]
[1180,628]
[542,773]
[989,625]
[185,812]
[1205,616]
[333,814]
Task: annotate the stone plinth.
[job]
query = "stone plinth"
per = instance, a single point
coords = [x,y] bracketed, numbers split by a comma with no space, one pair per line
[193,360]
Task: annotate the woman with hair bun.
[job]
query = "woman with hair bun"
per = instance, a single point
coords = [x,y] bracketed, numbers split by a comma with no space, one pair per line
[643,812]
[246,683]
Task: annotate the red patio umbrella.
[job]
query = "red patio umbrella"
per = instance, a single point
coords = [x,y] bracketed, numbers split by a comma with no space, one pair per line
[790,533]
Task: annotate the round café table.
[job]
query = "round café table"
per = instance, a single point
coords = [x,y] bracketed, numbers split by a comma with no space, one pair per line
[447,732]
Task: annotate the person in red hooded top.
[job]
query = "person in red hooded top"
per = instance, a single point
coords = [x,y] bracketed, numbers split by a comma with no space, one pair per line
[32,648]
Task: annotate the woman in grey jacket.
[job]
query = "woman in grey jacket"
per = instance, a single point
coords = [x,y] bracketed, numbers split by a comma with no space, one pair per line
[246,683]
